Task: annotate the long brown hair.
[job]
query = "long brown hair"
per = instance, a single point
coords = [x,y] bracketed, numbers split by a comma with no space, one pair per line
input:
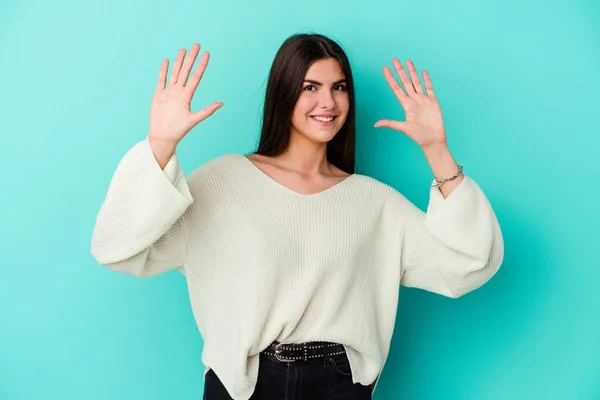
[284,86]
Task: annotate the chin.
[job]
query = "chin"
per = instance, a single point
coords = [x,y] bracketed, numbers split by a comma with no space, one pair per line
[321,137]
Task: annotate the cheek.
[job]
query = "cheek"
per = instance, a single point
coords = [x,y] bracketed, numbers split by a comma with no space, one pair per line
[343,105]
[343,102]
[303,107]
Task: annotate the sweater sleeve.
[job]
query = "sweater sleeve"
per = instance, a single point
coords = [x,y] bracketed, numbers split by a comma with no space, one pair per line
[456,246]
[138,229]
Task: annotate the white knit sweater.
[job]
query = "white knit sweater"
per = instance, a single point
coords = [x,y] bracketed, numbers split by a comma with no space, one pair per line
[266,263]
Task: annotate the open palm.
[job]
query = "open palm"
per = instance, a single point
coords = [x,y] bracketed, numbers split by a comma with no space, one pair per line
[424,123]
[170,115]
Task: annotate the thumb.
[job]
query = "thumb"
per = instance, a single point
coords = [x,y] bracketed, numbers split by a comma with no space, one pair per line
[396,125]
[206,112]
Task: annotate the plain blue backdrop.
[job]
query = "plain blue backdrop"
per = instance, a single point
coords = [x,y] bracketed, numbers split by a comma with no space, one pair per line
[518,83]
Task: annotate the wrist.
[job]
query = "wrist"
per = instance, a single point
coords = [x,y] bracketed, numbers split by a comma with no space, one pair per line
[437,148]
[158,141]
[162,150]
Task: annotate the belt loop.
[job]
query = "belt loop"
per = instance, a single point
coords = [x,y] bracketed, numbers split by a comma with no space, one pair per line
[325,356]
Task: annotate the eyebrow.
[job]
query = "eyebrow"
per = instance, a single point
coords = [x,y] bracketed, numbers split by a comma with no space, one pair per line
[320,84]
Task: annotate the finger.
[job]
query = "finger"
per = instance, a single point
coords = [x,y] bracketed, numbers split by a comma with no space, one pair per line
[428,84]
[408,86]
[205,112]
[414,76]
[396,88]
[187,66]
[162,75]
[386,123]
[176,67]
[198,72]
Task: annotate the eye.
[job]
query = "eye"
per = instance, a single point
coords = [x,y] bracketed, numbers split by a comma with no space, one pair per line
[342,88]
[309,86]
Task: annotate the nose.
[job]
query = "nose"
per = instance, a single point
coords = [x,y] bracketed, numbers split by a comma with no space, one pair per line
[326,100]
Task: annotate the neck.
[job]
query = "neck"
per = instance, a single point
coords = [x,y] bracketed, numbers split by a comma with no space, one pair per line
[306,156]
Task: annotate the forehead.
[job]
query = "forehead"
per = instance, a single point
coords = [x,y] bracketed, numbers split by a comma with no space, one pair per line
[328,69]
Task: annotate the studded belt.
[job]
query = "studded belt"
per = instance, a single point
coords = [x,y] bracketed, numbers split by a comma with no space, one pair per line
[290,352]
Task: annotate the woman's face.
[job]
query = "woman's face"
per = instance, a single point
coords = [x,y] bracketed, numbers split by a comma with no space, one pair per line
[323,104]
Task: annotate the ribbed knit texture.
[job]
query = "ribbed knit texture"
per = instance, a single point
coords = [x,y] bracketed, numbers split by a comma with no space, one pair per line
[266,263]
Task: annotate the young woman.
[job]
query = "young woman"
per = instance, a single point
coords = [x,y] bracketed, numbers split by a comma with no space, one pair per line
[293,261]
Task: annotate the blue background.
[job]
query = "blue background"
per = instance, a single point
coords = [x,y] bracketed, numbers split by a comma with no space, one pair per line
[518,83]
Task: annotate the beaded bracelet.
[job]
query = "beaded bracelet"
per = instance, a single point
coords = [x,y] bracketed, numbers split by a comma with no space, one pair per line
[440,183]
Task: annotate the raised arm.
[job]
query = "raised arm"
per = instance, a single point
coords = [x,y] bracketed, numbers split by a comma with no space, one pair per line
[457,245]
[138,229]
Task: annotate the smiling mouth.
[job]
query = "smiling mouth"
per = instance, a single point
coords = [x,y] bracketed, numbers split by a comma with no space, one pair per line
[324,119]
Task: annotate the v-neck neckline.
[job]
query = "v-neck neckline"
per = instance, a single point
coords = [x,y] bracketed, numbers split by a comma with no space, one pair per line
[272,181]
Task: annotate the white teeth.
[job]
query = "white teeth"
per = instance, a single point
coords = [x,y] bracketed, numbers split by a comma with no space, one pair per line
[324,119]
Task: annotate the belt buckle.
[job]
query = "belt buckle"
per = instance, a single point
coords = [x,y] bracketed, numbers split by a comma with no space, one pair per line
[277,351]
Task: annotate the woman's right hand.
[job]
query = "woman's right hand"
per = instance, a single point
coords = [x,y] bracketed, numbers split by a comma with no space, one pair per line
[170,115]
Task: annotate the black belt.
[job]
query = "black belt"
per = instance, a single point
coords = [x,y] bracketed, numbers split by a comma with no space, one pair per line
[290,352]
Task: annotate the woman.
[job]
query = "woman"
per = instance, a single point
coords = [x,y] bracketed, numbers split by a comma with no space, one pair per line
[293,261]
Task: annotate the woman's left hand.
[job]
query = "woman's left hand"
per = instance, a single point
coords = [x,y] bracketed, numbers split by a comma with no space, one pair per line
[424,123]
